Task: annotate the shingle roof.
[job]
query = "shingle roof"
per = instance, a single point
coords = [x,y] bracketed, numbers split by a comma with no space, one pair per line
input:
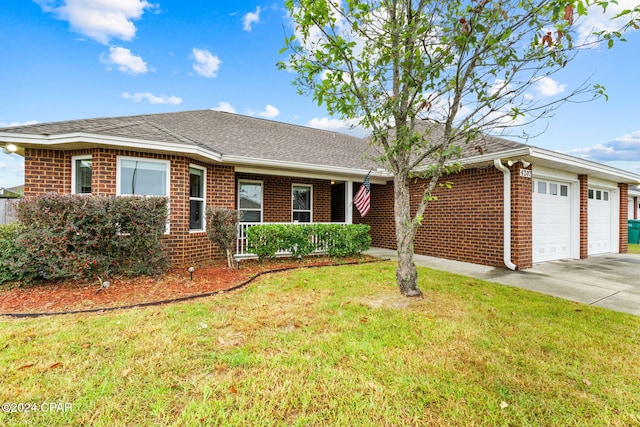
[224,133]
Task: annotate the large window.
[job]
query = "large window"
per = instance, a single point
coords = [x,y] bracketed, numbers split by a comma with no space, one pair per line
[81,174]
[302,199]
[250,201]
[196,198]
[142,177]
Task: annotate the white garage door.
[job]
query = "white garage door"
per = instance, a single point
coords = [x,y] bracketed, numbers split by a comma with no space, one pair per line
[551,221]
[599,221]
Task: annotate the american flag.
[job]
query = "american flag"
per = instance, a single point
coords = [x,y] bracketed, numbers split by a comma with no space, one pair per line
[362,199]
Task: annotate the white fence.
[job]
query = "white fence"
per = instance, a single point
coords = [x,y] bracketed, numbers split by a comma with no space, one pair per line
[7,213]
[241,241]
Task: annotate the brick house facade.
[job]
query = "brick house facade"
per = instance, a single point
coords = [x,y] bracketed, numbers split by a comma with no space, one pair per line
[466,223]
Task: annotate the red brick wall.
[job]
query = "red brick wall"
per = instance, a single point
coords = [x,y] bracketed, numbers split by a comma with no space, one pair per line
[521,218]
[465,223]
[624,212]
[50,171]
[277,196]
[584,216]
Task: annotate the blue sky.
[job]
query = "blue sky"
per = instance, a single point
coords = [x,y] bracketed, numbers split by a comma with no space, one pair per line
[74,59]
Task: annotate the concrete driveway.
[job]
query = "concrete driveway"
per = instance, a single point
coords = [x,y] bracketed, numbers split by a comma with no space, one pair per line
[611,281]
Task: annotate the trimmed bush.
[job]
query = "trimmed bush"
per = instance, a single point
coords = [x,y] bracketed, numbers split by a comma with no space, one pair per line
[222,230]
[73,236]
[8,250]
[336,240]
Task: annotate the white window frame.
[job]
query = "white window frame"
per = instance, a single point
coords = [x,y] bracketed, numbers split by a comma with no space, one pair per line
[252,181]
[119,160]
[203,199]
[74,159]
[310,210]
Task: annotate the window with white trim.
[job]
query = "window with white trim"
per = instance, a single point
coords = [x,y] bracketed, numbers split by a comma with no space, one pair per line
[250,201]
[302,197]
[197,179]
[142,177]
[81,171]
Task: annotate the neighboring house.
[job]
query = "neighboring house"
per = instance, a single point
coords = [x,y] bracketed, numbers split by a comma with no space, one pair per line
[553,206]
[8,197]
[634,202]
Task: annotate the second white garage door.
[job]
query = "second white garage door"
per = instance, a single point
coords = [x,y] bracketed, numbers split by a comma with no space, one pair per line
[551,221]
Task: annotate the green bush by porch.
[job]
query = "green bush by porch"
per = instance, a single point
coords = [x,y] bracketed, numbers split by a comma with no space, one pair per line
[300,240]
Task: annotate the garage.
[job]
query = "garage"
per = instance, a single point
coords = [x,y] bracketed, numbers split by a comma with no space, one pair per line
[551,220]
[600,220]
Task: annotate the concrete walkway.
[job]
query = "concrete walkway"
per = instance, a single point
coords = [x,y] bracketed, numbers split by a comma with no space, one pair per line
[611,281]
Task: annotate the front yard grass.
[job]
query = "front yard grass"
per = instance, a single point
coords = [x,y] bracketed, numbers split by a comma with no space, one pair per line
[330,346]
[634,249]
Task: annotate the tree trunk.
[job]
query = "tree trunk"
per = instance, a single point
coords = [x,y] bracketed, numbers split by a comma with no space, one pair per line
[406,274]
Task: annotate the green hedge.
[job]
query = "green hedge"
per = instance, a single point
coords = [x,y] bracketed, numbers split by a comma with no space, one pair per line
[69,236]
[301,240]
[8,250]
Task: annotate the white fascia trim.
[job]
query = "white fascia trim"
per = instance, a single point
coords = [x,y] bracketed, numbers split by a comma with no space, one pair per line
[486,158]
[588,165]
[125,143]
[254,165]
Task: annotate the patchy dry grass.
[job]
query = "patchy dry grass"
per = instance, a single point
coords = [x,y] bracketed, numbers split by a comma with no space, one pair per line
[331,346]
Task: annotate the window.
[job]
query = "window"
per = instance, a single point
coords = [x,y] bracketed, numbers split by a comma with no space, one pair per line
[142,177]
[605,196]
[81,174]
[302,203]
[553,189]
[250,201]
[590,193]
[598,195]
[542,187]
[564,190]
[196,198]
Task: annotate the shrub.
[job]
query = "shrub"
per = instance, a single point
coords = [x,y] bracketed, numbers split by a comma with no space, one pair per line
[8,250]
[68,236]
[301,240]
[222,230]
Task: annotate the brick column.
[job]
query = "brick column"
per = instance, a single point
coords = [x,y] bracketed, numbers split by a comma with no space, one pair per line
[521,217]
[584,216]
[623,245]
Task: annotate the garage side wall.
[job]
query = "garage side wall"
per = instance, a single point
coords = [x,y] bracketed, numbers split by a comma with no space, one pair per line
[464,224]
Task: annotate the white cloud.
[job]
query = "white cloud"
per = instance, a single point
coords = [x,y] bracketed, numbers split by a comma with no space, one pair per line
[124,60]
[250,18]
[11,170]
[205,64]
[598,21]
[225,106]
[100,20]
[153,99]
[546,86]
[625,148]
[28,122]
[270,112]
[335,125]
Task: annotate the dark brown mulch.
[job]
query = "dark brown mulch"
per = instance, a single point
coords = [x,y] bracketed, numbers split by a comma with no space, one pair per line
[70,295]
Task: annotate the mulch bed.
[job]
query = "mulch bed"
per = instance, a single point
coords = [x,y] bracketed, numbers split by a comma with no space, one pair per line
[175,284]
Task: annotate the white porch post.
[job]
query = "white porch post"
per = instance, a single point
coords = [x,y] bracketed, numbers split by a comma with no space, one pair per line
[348,202]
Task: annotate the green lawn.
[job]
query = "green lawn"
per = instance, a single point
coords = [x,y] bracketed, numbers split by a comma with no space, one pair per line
[634,249]
[330,346]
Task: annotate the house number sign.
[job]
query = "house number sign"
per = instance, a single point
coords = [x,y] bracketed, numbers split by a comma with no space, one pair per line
[526,173]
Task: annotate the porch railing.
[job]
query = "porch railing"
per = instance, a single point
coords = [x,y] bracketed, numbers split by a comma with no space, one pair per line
[241,241]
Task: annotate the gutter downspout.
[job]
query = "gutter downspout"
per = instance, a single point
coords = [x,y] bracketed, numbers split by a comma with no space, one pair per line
[507,214]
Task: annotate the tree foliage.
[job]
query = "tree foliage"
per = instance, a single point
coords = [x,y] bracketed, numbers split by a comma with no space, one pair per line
[426,77]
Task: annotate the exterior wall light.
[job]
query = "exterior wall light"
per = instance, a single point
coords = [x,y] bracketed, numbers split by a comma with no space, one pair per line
[191,270]
[9,148]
